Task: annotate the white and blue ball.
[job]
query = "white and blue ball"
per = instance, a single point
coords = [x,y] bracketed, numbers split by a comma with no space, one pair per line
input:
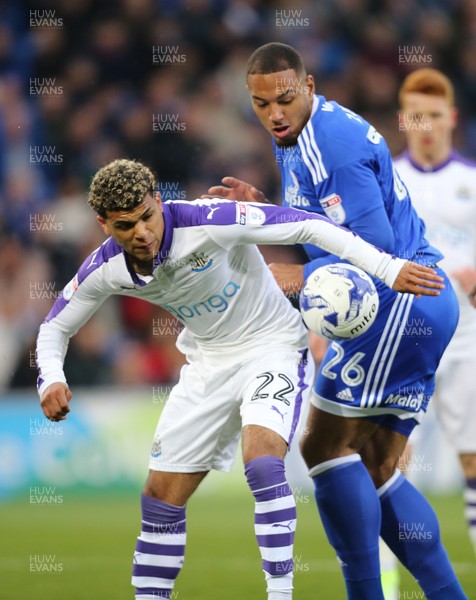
[339,301]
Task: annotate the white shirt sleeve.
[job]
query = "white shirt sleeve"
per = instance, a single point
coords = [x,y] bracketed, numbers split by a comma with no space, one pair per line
[63,321]
[267,224]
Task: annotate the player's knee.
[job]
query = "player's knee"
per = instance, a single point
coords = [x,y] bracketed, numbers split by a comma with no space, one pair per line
[382,472]
[468,464]
[308,450]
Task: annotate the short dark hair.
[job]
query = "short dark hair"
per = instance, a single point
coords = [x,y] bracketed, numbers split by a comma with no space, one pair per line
[275,57]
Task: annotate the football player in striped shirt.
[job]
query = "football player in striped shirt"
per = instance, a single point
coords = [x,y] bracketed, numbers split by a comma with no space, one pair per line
[245,344]
[370,391]
[442,184]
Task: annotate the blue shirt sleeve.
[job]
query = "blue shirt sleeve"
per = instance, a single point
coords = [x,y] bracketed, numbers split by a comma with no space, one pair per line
[362,208]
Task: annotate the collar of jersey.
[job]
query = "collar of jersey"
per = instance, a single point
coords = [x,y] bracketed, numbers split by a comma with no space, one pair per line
[166,242]
[308,125]
[163,250]
[432,169]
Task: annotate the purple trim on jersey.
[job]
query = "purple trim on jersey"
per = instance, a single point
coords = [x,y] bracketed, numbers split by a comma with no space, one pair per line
[188,214]
[166,243]
[302,386]
[109,249]
[453,157]
[463,159]
[135,278]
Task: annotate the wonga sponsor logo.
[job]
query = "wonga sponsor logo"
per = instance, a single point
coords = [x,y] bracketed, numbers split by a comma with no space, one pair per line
[215,303]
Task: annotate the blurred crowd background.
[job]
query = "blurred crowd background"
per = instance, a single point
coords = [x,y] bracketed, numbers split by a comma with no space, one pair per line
[163,81]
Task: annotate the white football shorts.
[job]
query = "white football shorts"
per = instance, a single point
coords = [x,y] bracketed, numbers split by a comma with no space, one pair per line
[455,403]
[200,426]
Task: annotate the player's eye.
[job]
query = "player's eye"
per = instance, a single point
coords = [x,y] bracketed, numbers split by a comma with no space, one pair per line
[123,226]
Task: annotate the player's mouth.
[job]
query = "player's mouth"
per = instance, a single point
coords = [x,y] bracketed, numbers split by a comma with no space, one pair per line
[148,248]
[281,131]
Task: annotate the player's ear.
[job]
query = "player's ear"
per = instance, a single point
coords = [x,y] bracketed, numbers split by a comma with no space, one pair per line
[104,226]
[158,198]
[454,117]
[311,85]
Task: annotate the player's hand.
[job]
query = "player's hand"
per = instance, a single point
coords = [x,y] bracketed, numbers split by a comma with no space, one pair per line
[55,401]
[290,278]
[235,189]
[418,280]
[466,278]
[472,296]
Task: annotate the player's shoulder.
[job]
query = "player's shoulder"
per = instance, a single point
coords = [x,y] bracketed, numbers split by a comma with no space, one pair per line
[402,158]
[335,130]
[463,162]
[454,162]
[202,211]
[100,257]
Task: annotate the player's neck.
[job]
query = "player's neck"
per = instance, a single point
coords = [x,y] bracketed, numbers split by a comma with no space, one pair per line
[430,159]
[141,267]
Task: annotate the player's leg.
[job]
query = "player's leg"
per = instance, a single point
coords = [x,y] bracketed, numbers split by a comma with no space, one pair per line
[270,412]
[468,464]
[389,570]
[455,407]
[346,497]
[160,548]
[409,524]
[198,431]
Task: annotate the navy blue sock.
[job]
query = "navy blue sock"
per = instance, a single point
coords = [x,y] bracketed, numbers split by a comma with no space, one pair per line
[350,512]
[410,529]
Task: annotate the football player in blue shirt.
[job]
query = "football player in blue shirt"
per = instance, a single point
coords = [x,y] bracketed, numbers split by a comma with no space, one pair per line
[370,391]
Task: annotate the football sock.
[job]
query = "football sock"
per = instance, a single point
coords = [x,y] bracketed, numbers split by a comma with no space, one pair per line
[160,549]
[470,509]
[389,573]
[410,528]
[350,513]
[275,523]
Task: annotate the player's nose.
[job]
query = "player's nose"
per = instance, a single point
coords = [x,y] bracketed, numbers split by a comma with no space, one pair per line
[140,230]
[275,113]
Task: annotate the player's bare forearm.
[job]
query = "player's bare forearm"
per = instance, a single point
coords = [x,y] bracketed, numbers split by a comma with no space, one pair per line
[472,296]
[419,280]
[235,189]
[290,278]
[55,401]
[466,278]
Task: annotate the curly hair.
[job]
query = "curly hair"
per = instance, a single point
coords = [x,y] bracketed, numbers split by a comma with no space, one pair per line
[120,185]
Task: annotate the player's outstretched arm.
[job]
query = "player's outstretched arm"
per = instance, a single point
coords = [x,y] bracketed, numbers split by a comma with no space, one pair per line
[235,189]
[419,280]
[55,401]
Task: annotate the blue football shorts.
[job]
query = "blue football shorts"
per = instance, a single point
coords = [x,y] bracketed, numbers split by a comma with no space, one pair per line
[387,374]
